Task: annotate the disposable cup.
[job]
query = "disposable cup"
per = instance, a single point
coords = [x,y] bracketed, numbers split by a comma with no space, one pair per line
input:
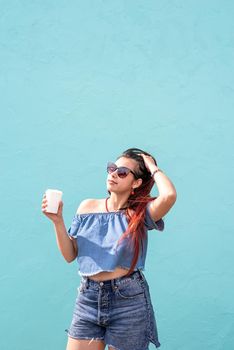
[53,198]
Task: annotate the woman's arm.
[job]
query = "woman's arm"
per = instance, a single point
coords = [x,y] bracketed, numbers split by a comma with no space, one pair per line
[160,206]
[67,246]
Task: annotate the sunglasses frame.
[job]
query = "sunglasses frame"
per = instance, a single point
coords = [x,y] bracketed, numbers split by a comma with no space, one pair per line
[113,165]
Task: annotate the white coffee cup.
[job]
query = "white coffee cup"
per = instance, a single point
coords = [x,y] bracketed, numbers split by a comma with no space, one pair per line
[53,198]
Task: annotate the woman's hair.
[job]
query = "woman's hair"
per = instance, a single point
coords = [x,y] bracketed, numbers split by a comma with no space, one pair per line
[138,202]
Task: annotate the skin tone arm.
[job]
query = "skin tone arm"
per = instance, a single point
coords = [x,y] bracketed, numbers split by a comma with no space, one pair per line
[167,192]
[66,245]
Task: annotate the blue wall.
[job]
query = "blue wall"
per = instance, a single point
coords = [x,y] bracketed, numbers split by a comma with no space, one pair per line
[80,82]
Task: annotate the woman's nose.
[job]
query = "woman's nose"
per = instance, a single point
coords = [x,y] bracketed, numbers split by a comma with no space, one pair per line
[114,173]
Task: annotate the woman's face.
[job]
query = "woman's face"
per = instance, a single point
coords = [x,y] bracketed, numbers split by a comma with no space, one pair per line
[121,185]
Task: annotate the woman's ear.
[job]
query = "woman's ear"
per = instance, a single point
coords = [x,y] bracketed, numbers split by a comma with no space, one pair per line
[138,183]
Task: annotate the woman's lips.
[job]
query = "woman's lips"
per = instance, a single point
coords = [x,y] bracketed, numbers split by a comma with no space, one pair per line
[111,181]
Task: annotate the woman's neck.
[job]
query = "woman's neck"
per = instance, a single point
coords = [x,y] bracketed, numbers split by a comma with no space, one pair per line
[116,202]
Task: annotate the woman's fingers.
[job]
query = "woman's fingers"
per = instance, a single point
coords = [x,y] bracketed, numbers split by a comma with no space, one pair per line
[44,203]
[55,217]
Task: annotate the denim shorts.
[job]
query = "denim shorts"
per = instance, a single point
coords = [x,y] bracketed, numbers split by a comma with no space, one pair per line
[117,311]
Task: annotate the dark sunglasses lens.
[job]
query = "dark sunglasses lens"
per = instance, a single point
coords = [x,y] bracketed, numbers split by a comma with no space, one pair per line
[122,172]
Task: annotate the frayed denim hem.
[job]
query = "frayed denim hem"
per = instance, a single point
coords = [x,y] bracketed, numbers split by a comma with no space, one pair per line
[82,338]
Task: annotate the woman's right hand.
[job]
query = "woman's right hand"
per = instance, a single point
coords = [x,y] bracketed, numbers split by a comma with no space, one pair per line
[53,217]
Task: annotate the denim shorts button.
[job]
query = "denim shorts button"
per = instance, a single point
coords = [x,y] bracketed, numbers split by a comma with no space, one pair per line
[101,283]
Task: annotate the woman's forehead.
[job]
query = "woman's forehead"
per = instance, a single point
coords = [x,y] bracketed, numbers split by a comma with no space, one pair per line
[128,162]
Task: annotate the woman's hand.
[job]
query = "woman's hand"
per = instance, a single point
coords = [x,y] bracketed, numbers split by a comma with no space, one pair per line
[53,217]
[149,162]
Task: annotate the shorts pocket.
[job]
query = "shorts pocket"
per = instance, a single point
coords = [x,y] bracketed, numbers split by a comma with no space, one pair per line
[130,290]
[87,296]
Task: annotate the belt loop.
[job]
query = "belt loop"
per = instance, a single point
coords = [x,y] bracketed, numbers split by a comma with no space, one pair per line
[113,283]
[86,281]
[141,274]
[134,274]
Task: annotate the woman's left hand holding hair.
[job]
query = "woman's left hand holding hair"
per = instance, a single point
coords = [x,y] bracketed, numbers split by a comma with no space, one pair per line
[149,162]
[159,207]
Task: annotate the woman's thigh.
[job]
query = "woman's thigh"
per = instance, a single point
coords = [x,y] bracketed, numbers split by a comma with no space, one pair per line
[85,344]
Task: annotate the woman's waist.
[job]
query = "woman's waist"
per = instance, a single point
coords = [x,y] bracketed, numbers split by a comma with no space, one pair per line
[108,275]
[89,281]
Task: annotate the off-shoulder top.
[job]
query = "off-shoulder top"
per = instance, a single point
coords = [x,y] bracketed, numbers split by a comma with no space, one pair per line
[97,235]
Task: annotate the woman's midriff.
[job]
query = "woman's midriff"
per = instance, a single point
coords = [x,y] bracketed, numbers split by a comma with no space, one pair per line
[107,275]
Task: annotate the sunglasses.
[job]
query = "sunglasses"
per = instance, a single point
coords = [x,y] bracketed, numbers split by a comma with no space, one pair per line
[122,171]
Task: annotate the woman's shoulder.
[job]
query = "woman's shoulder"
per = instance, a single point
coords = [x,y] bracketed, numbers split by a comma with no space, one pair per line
[91,205]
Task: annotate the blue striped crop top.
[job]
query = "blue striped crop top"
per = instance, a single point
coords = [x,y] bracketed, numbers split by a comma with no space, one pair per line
[97,235]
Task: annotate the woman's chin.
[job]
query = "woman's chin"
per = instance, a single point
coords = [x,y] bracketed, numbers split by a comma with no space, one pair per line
[110,188]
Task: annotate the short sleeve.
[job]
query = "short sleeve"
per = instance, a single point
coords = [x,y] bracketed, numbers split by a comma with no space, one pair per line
[74,228]
[150,223]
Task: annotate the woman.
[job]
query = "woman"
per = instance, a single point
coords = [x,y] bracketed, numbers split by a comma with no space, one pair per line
[109,239]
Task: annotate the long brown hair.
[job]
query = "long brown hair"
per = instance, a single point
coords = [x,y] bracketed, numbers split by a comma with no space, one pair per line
[137,202]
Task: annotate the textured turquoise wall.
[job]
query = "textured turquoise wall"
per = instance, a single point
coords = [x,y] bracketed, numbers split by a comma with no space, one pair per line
[80,82]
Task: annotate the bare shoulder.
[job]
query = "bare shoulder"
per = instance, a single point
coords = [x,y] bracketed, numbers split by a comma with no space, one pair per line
[88,206]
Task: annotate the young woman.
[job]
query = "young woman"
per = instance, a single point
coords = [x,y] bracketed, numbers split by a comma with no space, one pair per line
[109,239]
